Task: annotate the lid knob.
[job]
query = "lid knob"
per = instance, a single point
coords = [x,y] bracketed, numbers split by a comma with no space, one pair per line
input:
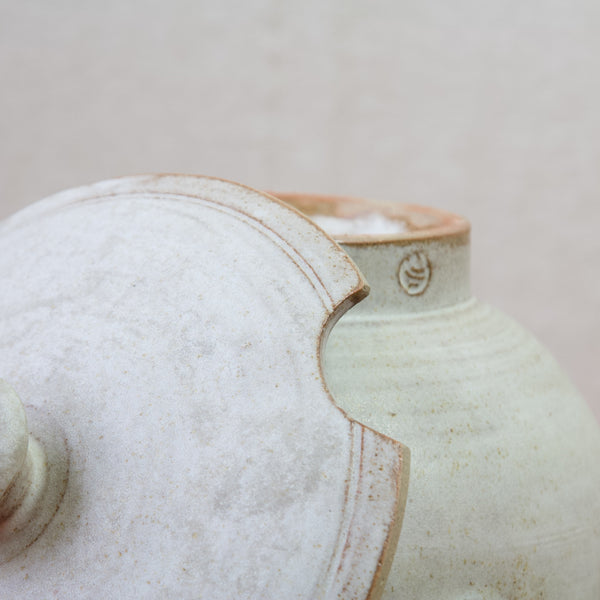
[33,476]
[14,443]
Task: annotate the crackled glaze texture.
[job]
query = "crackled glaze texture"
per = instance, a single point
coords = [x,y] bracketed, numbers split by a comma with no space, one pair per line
[504,502]
[164,334]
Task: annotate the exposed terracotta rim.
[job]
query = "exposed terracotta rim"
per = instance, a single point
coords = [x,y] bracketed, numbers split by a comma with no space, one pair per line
[421,222]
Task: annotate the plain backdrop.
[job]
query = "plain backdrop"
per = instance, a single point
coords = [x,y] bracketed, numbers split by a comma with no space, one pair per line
[488,109]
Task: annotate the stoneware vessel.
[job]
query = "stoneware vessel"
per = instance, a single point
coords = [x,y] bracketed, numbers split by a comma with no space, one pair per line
[177,439]
[504,500]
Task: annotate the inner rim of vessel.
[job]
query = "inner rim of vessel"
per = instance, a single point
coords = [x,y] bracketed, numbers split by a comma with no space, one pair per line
[360,221]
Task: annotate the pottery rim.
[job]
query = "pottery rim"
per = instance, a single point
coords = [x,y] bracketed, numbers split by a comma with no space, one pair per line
[415,223]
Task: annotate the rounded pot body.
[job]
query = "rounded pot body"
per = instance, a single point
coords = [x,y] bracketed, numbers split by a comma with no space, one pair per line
[504,495]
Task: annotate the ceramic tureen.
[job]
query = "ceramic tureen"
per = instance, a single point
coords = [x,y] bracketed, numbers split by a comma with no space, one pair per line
[504,498]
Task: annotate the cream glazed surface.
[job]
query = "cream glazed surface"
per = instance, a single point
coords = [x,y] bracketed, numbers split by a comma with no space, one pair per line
[177,440]
[504,501]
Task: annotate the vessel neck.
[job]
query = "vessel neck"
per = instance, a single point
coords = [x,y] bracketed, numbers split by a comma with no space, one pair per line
[413,276]
[414,258]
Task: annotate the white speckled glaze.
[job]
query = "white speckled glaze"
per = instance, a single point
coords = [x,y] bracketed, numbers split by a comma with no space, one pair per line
[504,501]
[165,335]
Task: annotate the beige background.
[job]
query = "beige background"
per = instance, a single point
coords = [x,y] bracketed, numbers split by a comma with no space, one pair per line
[489,109]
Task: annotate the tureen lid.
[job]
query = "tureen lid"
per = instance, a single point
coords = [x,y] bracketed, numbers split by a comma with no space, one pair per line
[163,334]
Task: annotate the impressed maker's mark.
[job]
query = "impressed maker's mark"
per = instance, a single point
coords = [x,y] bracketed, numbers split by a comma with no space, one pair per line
[414,273]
